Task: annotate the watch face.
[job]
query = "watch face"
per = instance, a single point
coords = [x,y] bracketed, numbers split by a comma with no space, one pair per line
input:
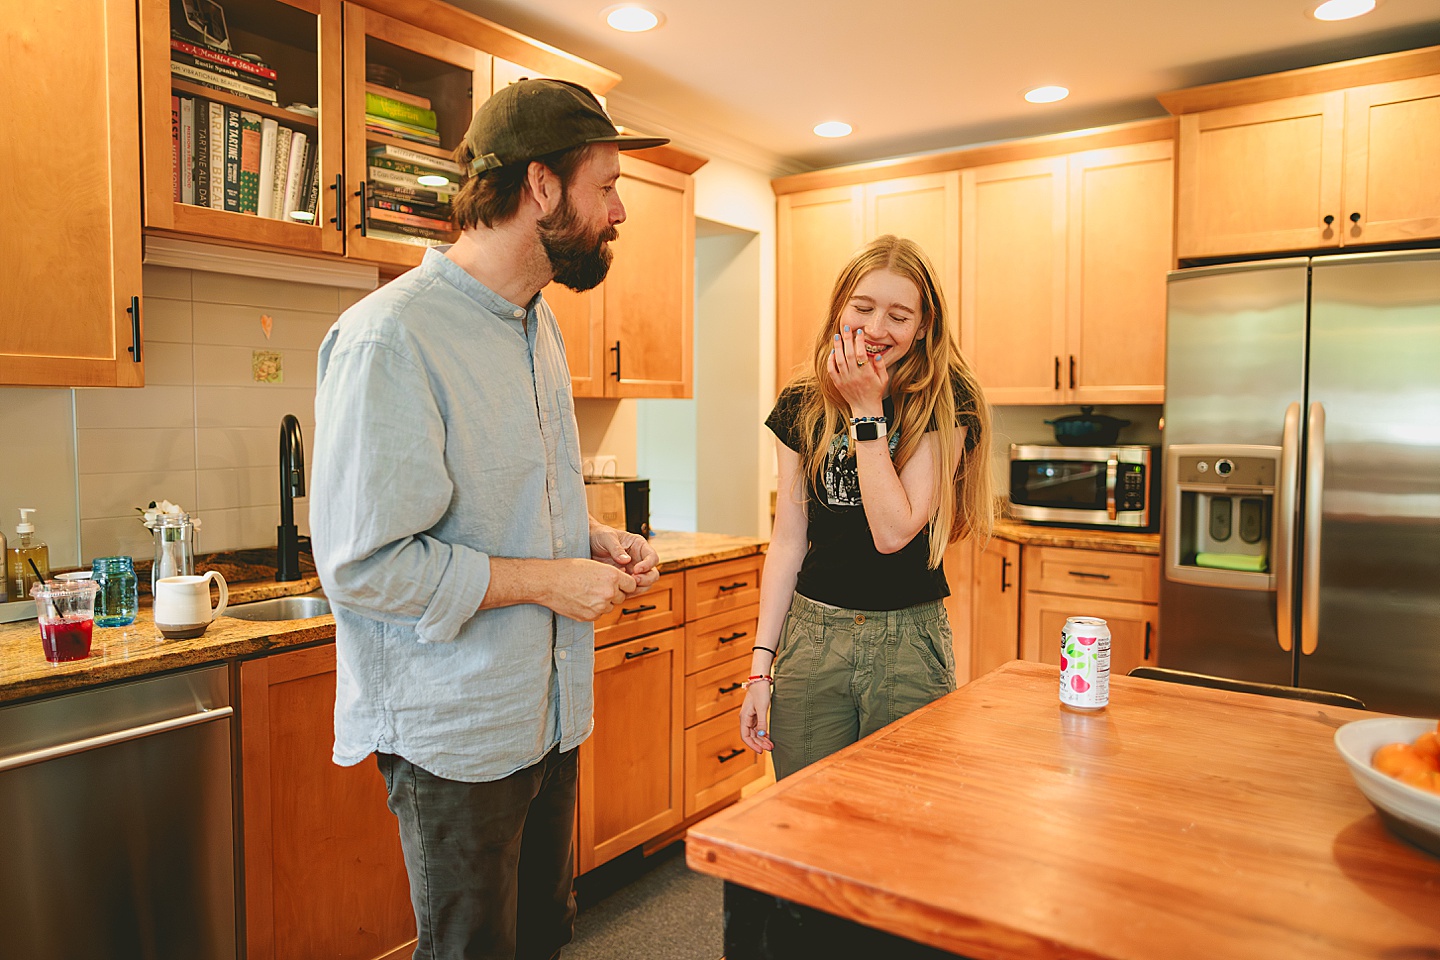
[867,431]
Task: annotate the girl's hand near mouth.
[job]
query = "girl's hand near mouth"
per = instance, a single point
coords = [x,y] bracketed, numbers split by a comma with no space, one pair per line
[861,378]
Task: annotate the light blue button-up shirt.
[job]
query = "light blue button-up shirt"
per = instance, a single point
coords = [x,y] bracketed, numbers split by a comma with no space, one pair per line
[444,435]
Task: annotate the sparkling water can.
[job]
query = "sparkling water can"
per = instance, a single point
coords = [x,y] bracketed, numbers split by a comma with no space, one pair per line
[1085,663]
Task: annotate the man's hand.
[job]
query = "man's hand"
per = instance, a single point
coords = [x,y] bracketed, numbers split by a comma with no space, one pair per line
[586,590]
[629,552]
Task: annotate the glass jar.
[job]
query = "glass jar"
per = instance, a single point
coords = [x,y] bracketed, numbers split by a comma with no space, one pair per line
[118,601]
[174,548]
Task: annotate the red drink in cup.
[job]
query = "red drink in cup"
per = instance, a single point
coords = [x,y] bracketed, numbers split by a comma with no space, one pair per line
[67,639]
[66,611]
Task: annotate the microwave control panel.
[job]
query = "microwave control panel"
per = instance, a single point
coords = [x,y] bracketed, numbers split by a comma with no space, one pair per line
[1130,492]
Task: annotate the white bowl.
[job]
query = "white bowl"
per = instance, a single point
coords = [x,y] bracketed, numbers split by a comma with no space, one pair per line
[1412,813]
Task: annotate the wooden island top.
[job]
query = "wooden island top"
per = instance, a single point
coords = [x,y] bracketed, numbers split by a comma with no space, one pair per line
[1179,823]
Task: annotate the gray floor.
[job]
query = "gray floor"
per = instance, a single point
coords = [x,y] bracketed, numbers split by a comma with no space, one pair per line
[663,911]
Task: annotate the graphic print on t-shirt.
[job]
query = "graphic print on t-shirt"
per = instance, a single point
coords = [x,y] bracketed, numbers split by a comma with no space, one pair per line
[842,481]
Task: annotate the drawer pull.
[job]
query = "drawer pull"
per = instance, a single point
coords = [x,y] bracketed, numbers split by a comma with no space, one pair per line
[641,652]
[737,684]
[733,637]
[626,611]
[1088,574]
[727,757]
[735,586]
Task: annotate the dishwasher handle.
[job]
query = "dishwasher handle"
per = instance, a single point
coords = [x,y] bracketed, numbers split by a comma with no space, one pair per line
[17,760]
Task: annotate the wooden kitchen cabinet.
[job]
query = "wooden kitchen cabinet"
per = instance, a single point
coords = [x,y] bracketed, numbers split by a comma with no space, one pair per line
[71,297]
[324,872]
[1392,137]
[1121,588]
[1063,272]
[819,230]
[996,633]
[631,769]
[959,563]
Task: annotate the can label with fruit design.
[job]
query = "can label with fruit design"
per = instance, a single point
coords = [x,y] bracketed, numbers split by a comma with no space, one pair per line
[1085,663]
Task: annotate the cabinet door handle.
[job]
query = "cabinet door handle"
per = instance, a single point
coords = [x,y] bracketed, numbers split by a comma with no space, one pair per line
[737,685]
[1147,639]
[626,611]
[1329,219]
[1089,575]
[641,652]
[1004,569]
[361,225]
[1355,217]
[727,757]
[339,187]
[733,637]
[1057,373]
[616,350]
[134,311]
[1072,371]
[735,586]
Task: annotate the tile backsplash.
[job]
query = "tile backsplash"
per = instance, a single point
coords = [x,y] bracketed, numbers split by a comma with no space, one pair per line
[203,431]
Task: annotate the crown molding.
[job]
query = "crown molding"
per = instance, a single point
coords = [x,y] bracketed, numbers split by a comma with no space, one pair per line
[697,136]
[191,255]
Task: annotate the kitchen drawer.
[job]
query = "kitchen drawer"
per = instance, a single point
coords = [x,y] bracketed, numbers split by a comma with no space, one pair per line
[717,587]
[717,762]
[714,691]
[720,638]
[660,607]
[1092,573]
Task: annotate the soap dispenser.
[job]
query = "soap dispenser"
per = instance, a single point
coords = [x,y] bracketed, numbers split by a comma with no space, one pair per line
[27,548]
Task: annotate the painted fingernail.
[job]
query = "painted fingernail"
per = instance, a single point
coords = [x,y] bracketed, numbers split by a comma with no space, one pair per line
[847,328]
[760,732]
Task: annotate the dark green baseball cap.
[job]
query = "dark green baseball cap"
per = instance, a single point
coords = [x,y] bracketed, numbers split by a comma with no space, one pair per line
[532,118]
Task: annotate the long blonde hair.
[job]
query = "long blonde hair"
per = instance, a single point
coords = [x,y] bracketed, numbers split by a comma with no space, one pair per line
[922,387]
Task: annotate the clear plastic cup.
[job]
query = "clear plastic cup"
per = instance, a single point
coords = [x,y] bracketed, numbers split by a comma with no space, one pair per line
[66,611]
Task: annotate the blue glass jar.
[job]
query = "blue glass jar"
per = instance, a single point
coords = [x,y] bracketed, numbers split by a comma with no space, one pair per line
[118,601]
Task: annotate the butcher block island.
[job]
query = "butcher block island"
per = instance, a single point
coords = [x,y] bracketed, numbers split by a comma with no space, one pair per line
[1181,822]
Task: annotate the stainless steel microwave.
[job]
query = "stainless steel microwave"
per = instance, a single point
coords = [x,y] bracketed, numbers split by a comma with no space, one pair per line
[1115,486]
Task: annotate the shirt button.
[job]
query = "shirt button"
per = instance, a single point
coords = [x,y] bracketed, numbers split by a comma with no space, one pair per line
[519,314]
[561,654]
[860,618]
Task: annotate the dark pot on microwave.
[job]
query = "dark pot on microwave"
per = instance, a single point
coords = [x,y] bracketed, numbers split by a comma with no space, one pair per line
[1087,429]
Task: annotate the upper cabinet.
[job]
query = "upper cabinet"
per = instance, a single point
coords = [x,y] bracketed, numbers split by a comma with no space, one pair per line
[1325,157]
[820,229]
[71,295]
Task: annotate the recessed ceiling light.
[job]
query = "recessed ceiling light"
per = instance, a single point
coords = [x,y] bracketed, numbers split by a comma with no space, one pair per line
[1046,94]
[1342,9]
[632,18]
[432,180]
[832,128]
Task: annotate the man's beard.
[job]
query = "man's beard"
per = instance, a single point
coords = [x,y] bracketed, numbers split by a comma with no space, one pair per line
[579,258]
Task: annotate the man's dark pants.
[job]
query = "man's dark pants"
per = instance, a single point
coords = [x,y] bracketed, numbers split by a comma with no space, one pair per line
[491,865]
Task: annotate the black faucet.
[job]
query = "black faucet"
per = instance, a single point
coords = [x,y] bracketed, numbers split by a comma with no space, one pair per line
[292,485]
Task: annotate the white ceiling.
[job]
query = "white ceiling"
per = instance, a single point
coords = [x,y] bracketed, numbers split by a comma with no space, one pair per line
[752,77]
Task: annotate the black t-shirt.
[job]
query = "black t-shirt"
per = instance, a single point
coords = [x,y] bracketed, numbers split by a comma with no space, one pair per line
[841,565]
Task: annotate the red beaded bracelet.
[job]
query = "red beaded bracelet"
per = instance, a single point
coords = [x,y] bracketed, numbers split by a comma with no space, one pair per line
[757,679]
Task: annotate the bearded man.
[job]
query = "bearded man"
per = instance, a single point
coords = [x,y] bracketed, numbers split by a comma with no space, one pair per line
[451,533]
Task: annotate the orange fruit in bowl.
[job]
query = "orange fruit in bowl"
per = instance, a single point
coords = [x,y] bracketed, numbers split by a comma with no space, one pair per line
[1399,760]
[1427,746]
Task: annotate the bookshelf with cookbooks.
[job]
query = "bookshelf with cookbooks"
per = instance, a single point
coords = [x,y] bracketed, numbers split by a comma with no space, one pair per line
[242,126]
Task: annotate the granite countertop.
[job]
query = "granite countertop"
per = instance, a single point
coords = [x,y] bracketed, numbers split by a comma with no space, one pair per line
[1115,541]
[119,653]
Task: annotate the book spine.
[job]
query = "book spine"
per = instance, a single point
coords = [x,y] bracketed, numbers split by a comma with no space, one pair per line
[187,150]
[398,237]
[217,82]
[417,158]
[232,159]
[295,174]
[406,166]
[221,70]
[391,216]
[414,99]
[396,128]
[408,230]
[175,152]
[312,175]
[393,109]
[225,59]
[202,152]
[398,179]
[419,210]
[413,195]
[284,141]
[249,161]
[217,156]
[265,187]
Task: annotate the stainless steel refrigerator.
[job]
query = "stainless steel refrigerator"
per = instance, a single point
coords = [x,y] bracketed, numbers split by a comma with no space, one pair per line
[1301,516]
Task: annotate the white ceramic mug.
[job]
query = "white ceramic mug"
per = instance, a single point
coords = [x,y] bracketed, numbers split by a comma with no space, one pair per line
[182,604]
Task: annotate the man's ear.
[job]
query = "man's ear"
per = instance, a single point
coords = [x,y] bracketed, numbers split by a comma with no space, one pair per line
[544,185]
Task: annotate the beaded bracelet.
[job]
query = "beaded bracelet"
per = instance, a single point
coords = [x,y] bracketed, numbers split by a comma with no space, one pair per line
[857,420]
[757,679]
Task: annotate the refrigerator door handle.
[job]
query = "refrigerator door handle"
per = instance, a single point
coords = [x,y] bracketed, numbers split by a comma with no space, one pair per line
[1286,494]
[1112,474]
[1310,561]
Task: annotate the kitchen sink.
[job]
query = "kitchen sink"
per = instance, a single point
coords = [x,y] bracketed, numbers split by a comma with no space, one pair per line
[282,608]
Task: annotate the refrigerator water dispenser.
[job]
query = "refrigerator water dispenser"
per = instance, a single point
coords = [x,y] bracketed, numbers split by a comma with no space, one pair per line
[1220,514]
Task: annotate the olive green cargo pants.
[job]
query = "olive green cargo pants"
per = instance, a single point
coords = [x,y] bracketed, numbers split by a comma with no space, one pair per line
[843,674]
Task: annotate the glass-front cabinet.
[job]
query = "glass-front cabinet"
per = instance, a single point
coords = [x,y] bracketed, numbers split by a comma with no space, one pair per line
[249,148]
[409,97]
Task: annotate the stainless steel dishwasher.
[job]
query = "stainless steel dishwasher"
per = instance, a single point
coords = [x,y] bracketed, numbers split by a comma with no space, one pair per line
[117,822]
